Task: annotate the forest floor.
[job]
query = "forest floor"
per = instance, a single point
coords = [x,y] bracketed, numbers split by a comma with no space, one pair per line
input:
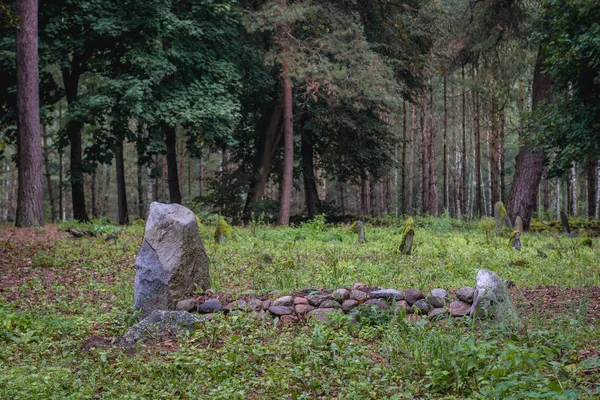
[64,301]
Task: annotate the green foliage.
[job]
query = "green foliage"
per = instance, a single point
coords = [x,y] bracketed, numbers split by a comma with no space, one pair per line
[487,225]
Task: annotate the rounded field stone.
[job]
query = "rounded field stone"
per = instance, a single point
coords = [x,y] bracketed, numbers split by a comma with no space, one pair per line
[388,294]
[316,300]
[300,300]
[436,301]
[187,305]
[255,304]
[302,309]
[340,295]
[358,295]
[210,306]
[330,304]
[413,295]
[348,305]
[465,294]
[380,303]
[421,307]
[459,308]
[278,311]
[439,292]
[284,301]
[437,313]
[266,304]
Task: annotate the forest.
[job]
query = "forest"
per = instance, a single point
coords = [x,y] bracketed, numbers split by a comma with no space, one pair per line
[299,199]
[287,111]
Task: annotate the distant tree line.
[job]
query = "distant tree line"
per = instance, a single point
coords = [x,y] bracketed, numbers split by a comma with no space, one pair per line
[281,109]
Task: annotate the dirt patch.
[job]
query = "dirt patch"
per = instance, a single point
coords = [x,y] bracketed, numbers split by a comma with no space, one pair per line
[95,342]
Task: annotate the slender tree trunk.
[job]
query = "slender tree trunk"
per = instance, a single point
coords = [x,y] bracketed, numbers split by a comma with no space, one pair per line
[105,206]
[12,197]
[366,195]
[433,194]
[445,162]
[94,201]
[529,165]
[140,188]
[404,143]
[30,201]
[173,179]
[308,172]
[411,163]
[201,173]
[494,155]
[48,174]
[463,170]
[121,188]
[285,203]
[477,148]
[342,197]
[181,160]
[502,169]
[591,183]
[455,192]
[61,208]
[425,203]
[545,191]
[574,189]
[149,189]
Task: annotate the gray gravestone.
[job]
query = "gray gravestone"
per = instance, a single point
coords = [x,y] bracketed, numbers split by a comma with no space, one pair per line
[492,299]
[519,224]
[171,261]
[360,228]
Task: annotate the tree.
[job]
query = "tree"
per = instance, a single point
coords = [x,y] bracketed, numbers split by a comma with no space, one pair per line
[30,207]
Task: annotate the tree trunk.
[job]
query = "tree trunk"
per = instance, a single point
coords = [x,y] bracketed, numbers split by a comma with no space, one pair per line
[404,143]
[285,204]
[366,196]
[477,147]
[433,194]
[502,169]
[201,173]
[591,184]
[121,188]
[529,163]
[105,205]
[308,172]
[342,198]
[173,179]
[411,163]
[455,210]
[140,188]
[463,166]
[48,174]
[181,160]
[494,155]
[94,201]
[445,151]
[30,196]
[11,197]
[265,149]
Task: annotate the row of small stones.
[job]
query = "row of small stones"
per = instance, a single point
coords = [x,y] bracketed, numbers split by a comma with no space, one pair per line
[434,304]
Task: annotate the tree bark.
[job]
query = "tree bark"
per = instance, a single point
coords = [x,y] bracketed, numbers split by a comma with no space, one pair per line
[94,200]
[30,195]
[591,184]
[445,151]
[403,184]
[308,173]
[285,204]
[411,163]
[140,188]
[48,174]
[502,169]
[201,173]
[529,164]
[477,147]
[463,164]
[173,179]
[121,188]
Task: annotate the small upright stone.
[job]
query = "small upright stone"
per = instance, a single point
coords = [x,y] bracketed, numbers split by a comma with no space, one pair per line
[171,261]
[500,217]
[516,240]
[361,232]
[222,231]
[564,221]
[519,224]
[408,234]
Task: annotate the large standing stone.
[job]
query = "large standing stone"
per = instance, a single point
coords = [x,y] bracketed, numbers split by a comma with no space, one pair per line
[171,261]
[360,228]
[564,221]
[492,299]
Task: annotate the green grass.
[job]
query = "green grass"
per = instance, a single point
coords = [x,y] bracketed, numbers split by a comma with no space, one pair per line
[71,290]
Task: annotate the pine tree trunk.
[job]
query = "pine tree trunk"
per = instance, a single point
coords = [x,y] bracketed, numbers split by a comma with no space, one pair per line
[455,210]
[463,166]
[30,200]
[574,189]
[201,174]
[285,204]
[502,169]
[477,148]
[173,179]
[403,180]
[48,174]
[342,198]
[94,191]
[494,155]
[411,163]
[591,183]
[13,189]
[308,172]
[445,151]
[140,188]
[181,161]
[121,188]
[105,205]
[529,163]
[433,194]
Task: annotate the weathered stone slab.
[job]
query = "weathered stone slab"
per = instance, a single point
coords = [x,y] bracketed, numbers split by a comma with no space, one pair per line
[388,294]
[171,261]
[159,323]
[492,299]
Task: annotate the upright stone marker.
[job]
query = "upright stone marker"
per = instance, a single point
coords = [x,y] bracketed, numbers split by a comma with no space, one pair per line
[500,217]
[171,261]
[519,224]
[492,299]
[564,221]
[407,237]
[360,228]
